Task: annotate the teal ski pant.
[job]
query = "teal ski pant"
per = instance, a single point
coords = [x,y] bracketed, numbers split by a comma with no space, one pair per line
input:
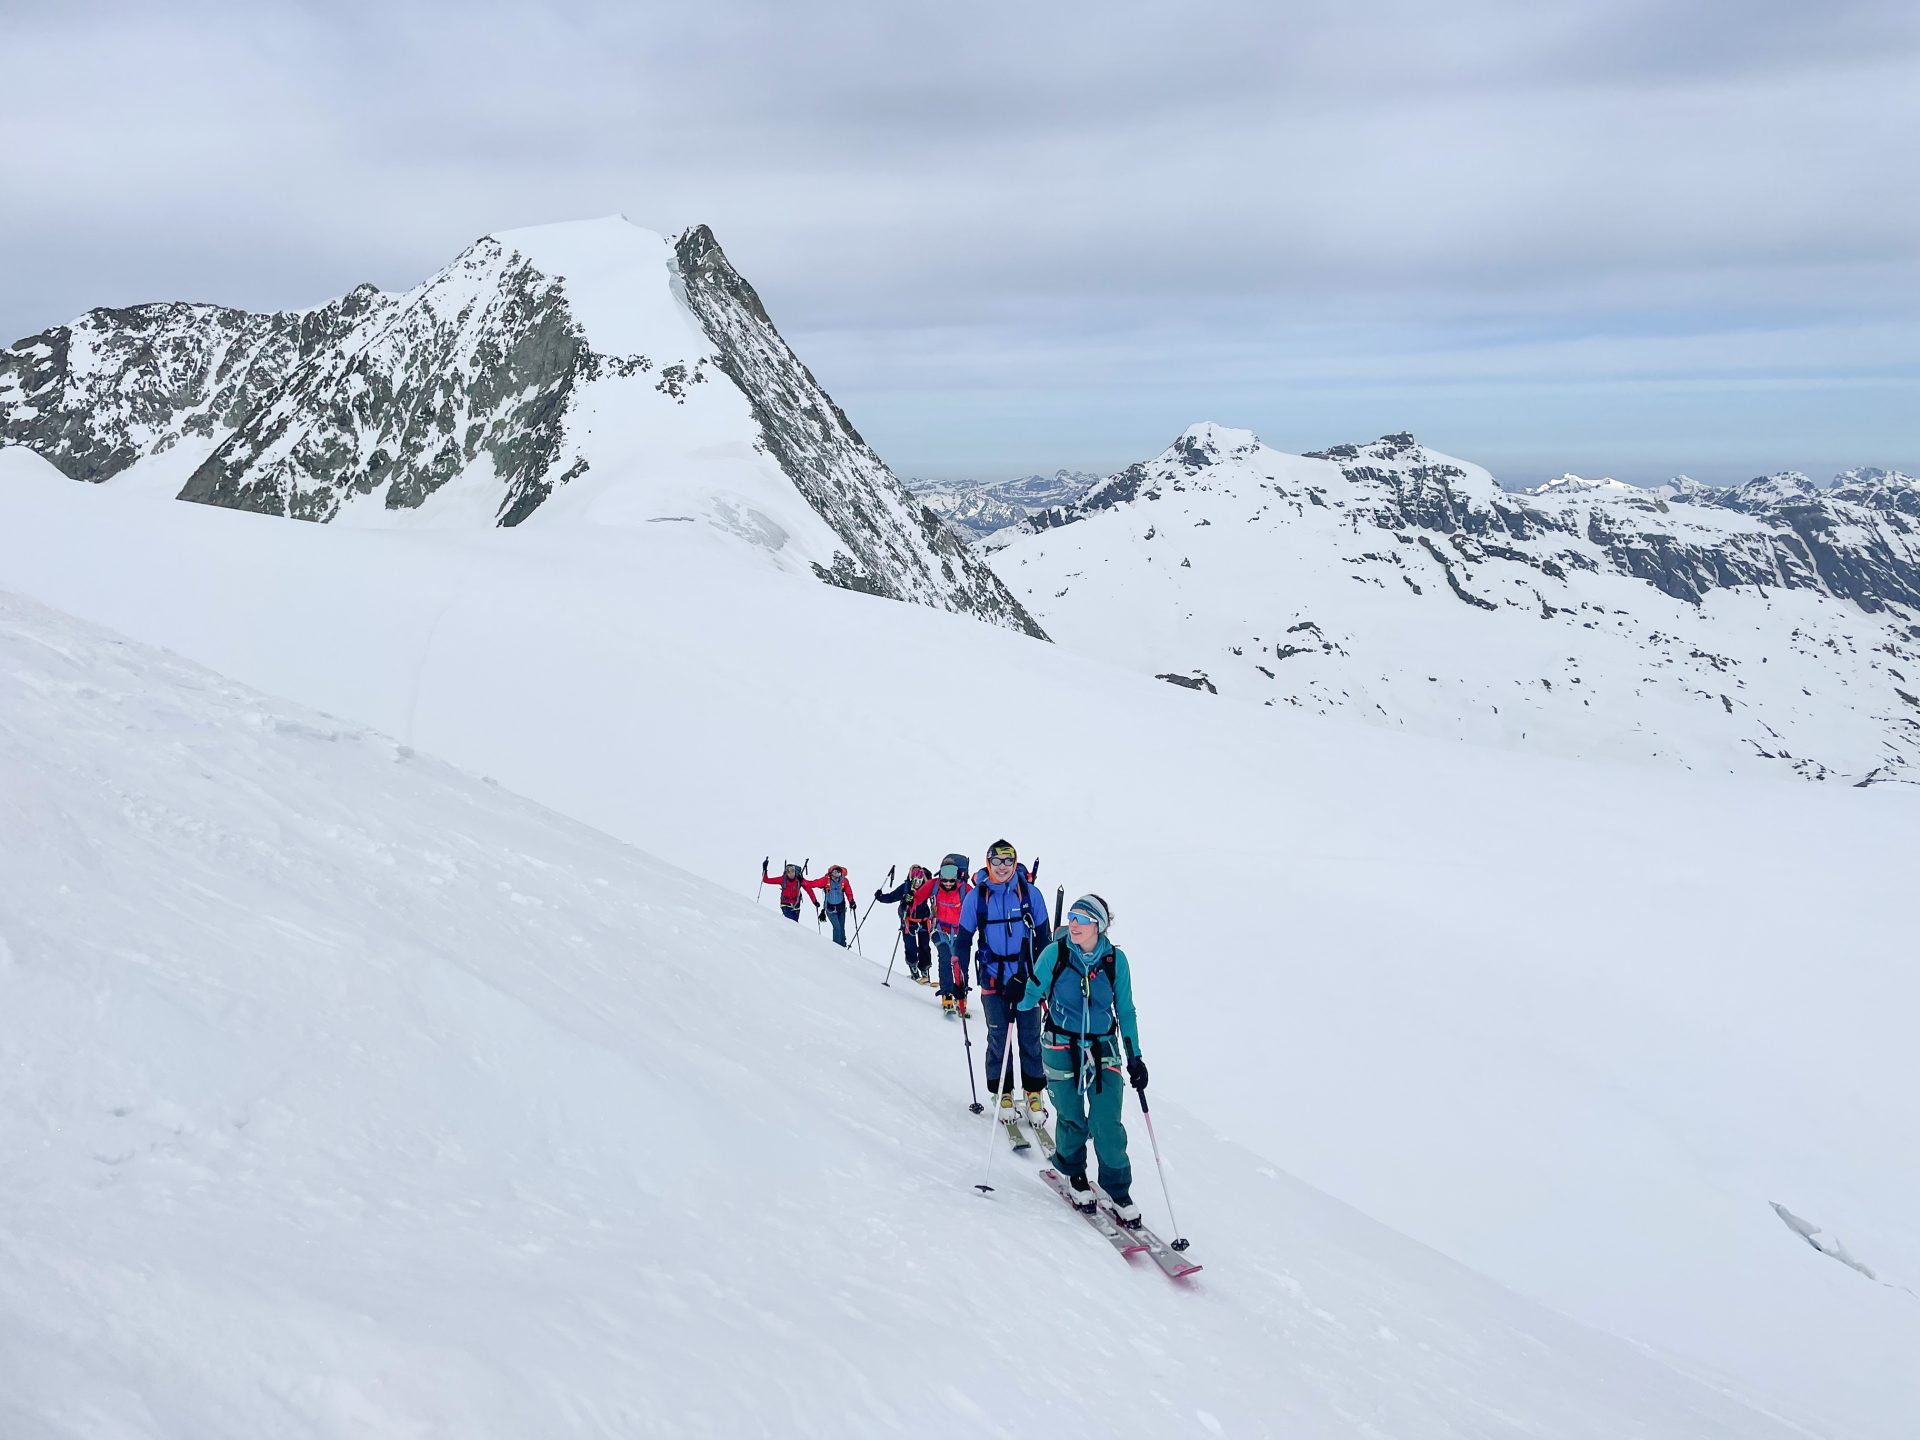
[1089,1110]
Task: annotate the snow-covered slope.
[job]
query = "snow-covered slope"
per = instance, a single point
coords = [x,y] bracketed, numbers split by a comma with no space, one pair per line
[344,1093]
[1578,1026]
[591,372]
[1772,625]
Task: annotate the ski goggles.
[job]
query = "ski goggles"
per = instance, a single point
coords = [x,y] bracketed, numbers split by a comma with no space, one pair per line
[1002,857]
[949,872]
[1081,917]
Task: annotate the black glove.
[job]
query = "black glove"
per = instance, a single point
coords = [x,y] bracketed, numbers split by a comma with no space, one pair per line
[876,896]
[1014,991]
[1137,1073]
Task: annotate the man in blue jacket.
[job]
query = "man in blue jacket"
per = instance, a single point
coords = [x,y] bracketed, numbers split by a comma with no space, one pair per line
[1008,916]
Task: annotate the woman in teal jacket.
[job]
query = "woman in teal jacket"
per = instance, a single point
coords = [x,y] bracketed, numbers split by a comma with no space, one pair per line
[1087,988]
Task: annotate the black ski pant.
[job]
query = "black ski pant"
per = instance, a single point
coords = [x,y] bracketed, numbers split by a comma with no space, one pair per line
[919,949]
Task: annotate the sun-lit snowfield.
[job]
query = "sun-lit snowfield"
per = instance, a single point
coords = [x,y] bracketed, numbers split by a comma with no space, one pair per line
[1575,1026]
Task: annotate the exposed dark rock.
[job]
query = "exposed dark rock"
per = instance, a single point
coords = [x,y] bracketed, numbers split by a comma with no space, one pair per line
[387,399]
[823,454]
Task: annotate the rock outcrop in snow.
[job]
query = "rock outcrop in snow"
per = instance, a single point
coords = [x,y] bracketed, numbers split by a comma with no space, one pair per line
[1773,621]
[640,380]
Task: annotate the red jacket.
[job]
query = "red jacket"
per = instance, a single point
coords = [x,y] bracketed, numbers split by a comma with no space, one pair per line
[946,903]
[826,879]
[790,889]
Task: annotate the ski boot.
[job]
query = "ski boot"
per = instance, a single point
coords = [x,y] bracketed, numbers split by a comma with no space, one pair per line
[1083,1196]
[1127,1215]
[946,1006]
[1037,1107]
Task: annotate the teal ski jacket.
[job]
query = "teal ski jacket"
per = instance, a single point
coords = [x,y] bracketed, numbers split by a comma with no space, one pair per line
[1080,997]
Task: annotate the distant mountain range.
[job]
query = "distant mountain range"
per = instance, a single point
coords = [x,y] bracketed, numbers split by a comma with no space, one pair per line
[1776,622]
[980,507]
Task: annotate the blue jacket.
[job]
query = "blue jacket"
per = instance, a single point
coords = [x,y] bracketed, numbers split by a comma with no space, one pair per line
[1080,998]
[993,912]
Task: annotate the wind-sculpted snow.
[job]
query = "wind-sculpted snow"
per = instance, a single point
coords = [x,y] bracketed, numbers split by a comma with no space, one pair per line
[346,1093]
[1774,622]
[1575,1025]
[644,383]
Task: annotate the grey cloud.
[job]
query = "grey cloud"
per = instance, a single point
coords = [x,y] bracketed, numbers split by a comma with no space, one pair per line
[1077,189]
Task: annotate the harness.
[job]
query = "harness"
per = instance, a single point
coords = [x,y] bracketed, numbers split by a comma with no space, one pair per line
[1079,1040]
[988,954]
[907,917]
[958,898]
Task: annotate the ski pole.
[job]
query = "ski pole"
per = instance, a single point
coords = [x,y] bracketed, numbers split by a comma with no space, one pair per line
[973,1087]
[760,890]
[1008,1040]
[870,904]
[967,1035]
[1180,1241]
[888,981]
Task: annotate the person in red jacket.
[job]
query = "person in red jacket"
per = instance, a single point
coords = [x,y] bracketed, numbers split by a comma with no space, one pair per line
[793,884]
[944,893]
[836,899]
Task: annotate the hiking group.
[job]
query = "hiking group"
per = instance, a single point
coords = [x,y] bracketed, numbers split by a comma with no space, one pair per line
[1060,1000]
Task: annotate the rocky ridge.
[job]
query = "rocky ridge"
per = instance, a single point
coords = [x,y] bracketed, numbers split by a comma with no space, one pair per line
[487,391]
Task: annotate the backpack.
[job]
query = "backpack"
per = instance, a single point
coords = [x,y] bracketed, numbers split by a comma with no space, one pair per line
[987,955]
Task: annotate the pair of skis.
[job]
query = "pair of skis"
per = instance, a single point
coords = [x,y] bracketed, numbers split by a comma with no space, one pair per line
[1128,1240]
[1018,1135]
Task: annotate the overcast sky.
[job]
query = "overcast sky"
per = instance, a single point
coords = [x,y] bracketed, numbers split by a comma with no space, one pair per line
[1619,237]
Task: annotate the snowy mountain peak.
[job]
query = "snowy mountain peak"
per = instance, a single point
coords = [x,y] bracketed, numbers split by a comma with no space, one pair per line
[1784,485]
[614,273]
[585,372]
[1207,443]
[1874,475]
[1399,448]
[1571,484]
